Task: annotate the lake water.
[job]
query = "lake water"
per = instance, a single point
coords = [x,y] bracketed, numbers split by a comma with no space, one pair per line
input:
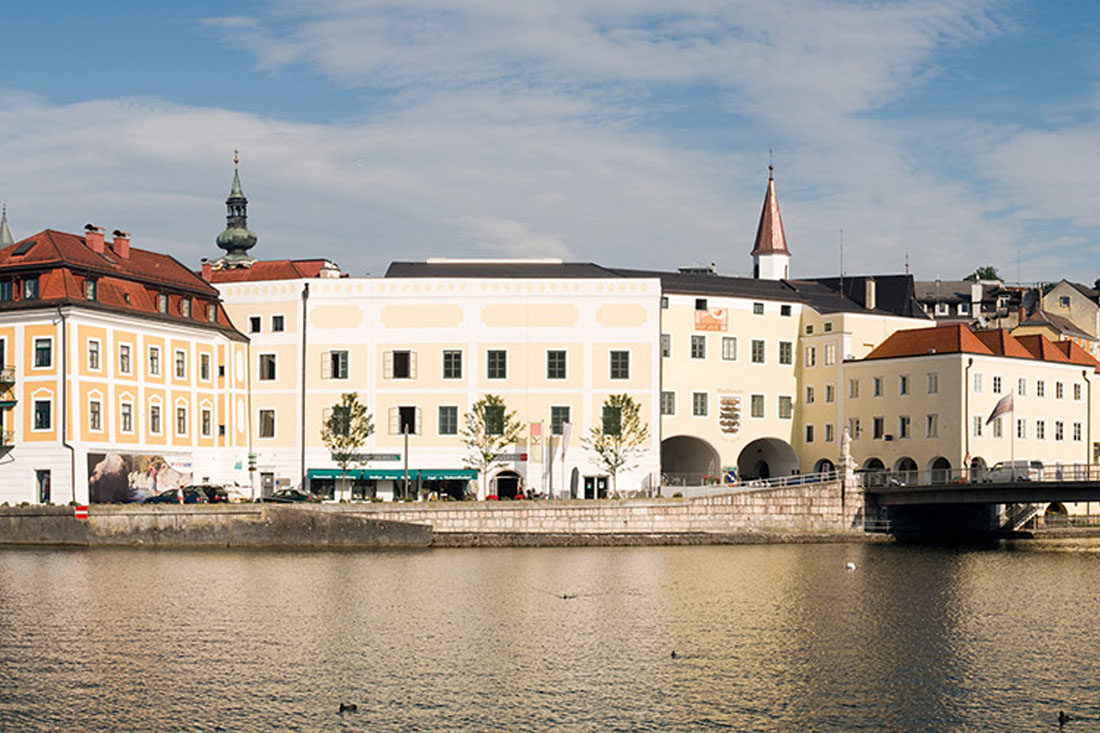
[778,637]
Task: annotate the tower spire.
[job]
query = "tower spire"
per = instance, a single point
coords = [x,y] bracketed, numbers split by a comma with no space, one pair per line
[771,258]
[236,240]
[5,231]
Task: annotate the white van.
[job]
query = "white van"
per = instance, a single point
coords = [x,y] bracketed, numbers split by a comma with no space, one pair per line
[1016,471]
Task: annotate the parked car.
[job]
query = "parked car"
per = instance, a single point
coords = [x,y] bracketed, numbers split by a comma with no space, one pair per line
[1015,471]
[191,495]
[214,494]
[288,496]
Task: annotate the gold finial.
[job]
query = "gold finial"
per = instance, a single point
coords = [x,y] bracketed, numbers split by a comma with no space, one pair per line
[236,157]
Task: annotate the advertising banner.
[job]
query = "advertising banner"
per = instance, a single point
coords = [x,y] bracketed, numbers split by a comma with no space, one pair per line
[126,477]
[712,319]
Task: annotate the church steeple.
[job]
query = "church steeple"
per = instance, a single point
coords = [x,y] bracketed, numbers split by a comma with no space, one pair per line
[770,257]
[236,240]
[5,231]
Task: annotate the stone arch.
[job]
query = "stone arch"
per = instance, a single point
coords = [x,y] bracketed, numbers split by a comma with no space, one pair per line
[907,470]
[1057,510]
[824,465]
[767,458]
[873,464]
[978,468]
[506,484]
[939,469]
[873,472]
[688,459]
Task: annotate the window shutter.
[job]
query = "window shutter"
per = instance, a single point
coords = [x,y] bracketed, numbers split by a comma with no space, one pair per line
[326,365]
[418,429]
[412,372]
[395,421]
[387,365]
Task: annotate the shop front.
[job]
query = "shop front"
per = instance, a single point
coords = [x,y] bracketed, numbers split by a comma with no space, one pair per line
[390,484]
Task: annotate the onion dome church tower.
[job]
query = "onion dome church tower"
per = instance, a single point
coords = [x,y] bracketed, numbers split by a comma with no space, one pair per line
[771,260]
[236,240]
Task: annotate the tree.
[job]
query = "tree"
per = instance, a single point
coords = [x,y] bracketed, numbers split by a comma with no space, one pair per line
[987,272]
[488,430]
[346,430]
[620,438]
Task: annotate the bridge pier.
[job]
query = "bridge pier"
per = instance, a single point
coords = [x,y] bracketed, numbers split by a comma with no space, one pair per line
[944,522]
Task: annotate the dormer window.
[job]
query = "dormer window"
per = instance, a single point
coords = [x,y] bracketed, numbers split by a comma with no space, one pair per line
[211,312]
[942,309]
[162,302]
[185,307]
[30,288]
[89,288]
[5,289]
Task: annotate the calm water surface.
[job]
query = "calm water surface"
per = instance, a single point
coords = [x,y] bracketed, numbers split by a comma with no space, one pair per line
[766,637]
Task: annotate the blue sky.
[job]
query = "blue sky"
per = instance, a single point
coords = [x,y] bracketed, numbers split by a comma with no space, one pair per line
[957,132]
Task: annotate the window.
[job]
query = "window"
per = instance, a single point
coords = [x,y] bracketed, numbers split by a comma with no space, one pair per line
[5,289]
[253,324]
[786,351]
[559,415]
[126,418]
[996,384]
[830,393]
[830,353]
[1059,390]
[406,420]
[786,407]
[1063,301]
[555,364]
[757,351]
[42,414]
[977,382]
[664,302]
[154,419]
[267,423]
[497,364]
[811,356]
[89,288]
[876,386]
[932,426]
[278,323]
[997,428]
[829,433]
[181,364]
[1059,430]
[854,428]
[448,420]
[204,367]
[978,426]
[95,415]
[828,327]
[30,288]
[185,307]
[964,309]
[1040,388]
[729,348]
[211,312]
[207,426]
[221,431]
[267,367]
[809,328]
[1077,391]
[809,433]
[756,405]
[221,370]
[943,309]
[162,302]
[668,403]
[666,345]
[154,360]
[877,428]
[809,395]
[758,309]
[1040,430]
[181,421]
[700,304]
[612,420]
[784,310]
[335,366]
[401,365]
[1021,386]
[933,382]
[43,353]
[698,347]
[452,364]
[124,358]
[1021,428]
[699,404]
[904,422]
[494,419]
[853,389]
[903,384]
[1077,432]
[93,355]
[620,365]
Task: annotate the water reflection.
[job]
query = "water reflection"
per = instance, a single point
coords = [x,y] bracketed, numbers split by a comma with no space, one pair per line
[767,638]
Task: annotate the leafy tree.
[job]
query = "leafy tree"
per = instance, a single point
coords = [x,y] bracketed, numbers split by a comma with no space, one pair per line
[987,272]
[620,438]
[488,430]
[346,430]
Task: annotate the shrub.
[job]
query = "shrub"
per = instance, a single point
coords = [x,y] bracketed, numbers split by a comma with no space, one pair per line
[678,495]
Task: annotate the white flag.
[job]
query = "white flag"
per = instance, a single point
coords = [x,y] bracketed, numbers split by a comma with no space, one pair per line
[566,429]
[1003,406]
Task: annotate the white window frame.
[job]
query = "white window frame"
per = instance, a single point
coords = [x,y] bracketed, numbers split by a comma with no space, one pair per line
[729,348]
[98,352]
[154,372]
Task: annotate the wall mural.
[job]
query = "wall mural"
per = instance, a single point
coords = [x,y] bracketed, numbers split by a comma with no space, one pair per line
[126,477]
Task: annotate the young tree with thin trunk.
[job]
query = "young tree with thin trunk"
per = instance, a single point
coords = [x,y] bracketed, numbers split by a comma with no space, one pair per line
[489,429]
[620,438]
[345,432]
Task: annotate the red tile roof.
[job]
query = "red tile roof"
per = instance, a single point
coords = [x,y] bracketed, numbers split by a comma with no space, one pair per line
[1042,348]
[1077,355]
[270,270]
[950,339]
[1003,343]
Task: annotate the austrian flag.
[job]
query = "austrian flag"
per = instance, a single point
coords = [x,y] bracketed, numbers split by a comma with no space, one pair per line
[1003,406]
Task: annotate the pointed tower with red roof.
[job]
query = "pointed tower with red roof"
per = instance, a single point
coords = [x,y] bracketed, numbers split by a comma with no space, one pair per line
[771,260]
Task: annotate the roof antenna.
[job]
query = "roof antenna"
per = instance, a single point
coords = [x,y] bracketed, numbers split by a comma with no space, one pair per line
[906,263]
[842,260]
[771,163]
[236,159]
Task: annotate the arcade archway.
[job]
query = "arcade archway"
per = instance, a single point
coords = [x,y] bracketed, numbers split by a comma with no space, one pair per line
[767,458]
[688,459]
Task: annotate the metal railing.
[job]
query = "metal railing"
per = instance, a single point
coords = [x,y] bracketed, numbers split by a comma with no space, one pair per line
[1017,471]
[699,483]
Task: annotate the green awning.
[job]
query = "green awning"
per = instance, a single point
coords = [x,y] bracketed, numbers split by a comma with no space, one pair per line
[330,473]
[439,474]
[386,474]
[7,403]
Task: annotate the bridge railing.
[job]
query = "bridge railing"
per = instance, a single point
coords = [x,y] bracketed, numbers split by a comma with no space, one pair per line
[701,484]
[1056,472]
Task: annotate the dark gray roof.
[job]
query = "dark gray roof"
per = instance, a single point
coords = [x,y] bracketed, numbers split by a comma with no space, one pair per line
[1085,290]
[894,293]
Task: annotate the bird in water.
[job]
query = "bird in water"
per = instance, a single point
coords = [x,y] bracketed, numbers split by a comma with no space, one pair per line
[674,654]
[1063,718]
[850,566]
[348,707]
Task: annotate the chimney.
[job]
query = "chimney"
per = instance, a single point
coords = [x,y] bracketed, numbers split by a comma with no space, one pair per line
[975,295]
[93,237]
[1021,315]
[869,293]
[121,245]
[207,270]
